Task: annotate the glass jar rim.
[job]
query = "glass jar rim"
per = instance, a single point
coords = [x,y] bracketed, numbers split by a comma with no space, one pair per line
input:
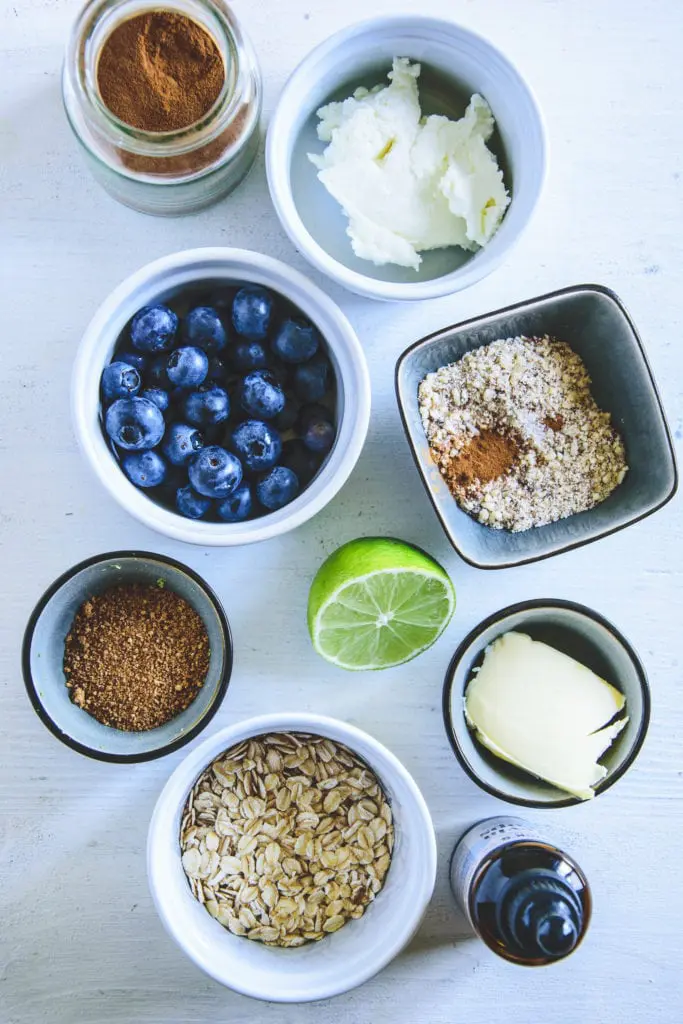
[224,29]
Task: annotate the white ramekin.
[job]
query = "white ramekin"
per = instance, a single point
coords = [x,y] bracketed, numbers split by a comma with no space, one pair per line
[158,282]
[340,961]
[354,55]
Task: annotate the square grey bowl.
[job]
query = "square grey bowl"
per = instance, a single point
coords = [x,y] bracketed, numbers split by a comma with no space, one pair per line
[595,324]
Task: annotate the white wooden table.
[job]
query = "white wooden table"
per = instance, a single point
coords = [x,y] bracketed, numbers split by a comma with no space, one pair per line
[80,942]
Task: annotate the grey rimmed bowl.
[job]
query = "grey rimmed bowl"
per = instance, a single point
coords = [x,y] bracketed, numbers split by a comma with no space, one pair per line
[595,324]
[43,656]
[584,635]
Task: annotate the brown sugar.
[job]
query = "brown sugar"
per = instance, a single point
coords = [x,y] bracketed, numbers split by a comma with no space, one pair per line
[160,71]
[135,656]
[486,457]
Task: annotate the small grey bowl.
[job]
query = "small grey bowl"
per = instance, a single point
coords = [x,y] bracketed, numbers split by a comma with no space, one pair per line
[43,656]
[594,322]
[582,634]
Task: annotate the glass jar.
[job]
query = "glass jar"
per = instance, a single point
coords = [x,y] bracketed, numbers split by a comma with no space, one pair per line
[173,172]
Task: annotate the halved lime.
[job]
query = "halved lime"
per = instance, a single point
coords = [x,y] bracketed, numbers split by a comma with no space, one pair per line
[376,603]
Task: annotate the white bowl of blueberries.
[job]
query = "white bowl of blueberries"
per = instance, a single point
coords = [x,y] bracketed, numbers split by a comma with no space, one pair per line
[220,396]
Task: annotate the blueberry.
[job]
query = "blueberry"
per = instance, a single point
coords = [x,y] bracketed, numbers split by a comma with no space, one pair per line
[257,444]
[297,457]
[203,327]
[120,380]
[237,506]
[319,436]
[144,469]
[312,411]
[277,488]
[215,472]
[261,395]
[296,341]
[251,312]
[286,419]
[135,359]
[218,370]
[311,379]
[134,423]
[181,443]
[160,397]
[187,367]
[317,430]
[191,504]
[209,405]
[153,328]
[249,355]
[156,376]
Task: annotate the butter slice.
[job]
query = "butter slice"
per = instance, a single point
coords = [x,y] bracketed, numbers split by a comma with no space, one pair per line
[544,712]
[407,183]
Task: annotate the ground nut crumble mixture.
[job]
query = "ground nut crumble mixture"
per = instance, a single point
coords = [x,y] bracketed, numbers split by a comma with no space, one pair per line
[517,435]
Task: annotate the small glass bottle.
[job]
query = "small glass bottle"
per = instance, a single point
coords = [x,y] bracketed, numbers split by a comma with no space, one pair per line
[527,900]
[173,172]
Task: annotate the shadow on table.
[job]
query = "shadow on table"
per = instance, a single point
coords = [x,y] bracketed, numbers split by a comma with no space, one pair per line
[444,925]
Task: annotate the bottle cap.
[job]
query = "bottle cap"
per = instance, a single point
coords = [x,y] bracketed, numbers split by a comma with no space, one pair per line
[541,915]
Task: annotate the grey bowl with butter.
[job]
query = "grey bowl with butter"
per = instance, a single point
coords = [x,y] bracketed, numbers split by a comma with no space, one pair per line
[595,324]
[43,656]
[584,635]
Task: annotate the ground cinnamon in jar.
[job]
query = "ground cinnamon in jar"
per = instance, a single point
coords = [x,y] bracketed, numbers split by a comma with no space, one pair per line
[486,457]
[160,71]
[135,656]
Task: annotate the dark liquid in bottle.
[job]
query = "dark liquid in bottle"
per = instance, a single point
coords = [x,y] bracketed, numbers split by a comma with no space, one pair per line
[530,903]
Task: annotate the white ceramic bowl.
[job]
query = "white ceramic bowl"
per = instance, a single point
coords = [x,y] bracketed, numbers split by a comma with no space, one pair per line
[362,55]
[338,962]
[160,281]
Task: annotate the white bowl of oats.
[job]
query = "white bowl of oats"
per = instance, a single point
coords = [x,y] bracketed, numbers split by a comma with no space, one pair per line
[291,857]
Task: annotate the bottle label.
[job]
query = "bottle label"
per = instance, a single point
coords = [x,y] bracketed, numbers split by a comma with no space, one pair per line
[480,842]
